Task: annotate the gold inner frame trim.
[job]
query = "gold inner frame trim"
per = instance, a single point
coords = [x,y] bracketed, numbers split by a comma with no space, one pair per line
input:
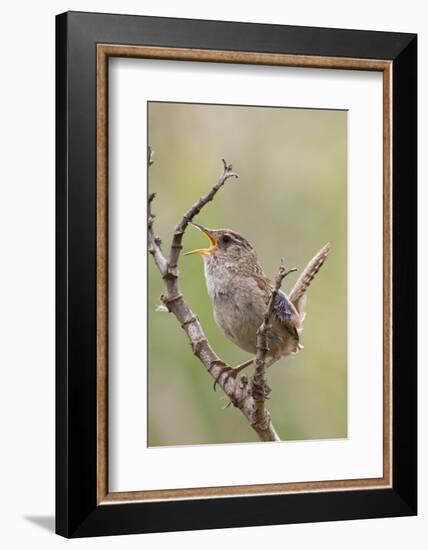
[104,51]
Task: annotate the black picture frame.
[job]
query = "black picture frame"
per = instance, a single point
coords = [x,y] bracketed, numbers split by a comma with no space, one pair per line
[77,511]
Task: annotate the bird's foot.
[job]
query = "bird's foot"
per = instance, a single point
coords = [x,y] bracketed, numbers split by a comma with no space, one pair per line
[232,371]
[260,391]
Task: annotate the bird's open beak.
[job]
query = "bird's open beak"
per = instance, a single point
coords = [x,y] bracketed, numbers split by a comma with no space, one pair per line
[204,251]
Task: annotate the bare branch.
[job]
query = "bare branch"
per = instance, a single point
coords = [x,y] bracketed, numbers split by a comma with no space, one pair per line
[180,228]
[150,154]
[153,241]
[239,392]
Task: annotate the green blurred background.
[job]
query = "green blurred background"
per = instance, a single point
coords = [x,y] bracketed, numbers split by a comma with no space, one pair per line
[290,199]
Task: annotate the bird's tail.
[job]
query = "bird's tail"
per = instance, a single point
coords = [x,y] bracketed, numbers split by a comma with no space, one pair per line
[297,296]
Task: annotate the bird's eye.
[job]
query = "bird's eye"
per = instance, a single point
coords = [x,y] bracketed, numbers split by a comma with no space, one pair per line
[226,239]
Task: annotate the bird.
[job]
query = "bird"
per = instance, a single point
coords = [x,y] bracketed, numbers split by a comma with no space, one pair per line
[240,292]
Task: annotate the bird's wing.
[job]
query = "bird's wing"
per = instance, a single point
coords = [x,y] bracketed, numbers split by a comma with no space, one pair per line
[286,313]
[284,310]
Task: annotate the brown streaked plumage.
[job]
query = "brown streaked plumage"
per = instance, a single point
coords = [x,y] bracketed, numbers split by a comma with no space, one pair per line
[240,292]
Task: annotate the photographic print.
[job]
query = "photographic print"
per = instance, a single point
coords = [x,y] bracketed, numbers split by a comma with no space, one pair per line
[247,324]
[285,169]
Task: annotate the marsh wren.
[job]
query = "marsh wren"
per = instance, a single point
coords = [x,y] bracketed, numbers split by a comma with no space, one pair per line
[240,292]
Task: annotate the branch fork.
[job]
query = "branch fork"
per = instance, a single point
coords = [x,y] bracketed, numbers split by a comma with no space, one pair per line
[248,396]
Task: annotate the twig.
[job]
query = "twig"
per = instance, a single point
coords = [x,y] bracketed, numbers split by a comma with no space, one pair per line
[193,211]
[240,394]
[259,388]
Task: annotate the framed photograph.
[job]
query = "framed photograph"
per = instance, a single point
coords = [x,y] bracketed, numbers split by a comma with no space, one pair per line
[236,274]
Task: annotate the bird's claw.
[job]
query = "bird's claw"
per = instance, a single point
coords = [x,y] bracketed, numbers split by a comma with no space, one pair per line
[261,391]
[232,372]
